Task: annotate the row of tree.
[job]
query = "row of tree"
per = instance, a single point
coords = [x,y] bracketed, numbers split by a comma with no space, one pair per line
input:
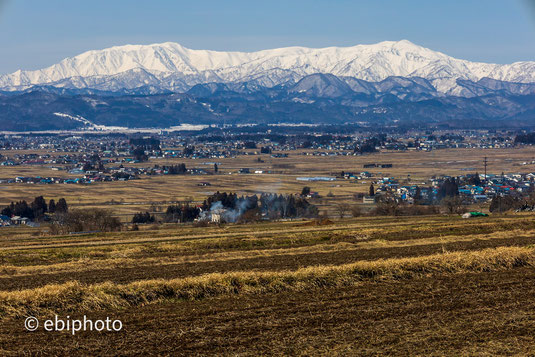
[528,138]
[143,218]
[234,208]
[269,205]
[37,209]
[179,169]
[181,213]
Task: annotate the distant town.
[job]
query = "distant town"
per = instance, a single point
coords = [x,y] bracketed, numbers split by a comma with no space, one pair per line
[87,159]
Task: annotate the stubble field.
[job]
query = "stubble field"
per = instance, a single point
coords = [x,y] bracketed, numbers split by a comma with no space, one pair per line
[404,286]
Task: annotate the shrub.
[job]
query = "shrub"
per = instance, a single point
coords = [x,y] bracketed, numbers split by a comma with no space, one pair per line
[86,220]
[391,207]
[356,211]
[342,209]
[454,204]
[387,205]
[418,210]
[252,215]
[502,204]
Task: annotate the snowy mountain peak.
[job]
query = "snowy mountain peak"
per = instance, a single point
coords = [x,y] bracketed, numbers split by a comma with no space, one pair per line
[172,67]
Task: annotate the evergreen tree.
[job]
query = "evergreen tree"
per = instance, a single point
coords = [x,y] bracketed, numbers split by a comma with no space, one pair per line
[39,207]
[52,206]
[188,151]
[474,180]
[139,154]
[8,210]
[449,188]
[22,209]
[372,190]
[61,206]
[179,169]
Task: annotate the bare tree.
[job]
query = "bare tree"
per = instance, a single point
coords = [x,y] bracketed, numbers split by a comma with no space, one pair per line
[388,205]
[342,209]
[453,204]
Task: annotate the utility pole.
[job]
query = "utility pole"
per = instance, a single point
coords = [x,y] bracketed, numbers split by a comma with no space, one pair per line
[485,162]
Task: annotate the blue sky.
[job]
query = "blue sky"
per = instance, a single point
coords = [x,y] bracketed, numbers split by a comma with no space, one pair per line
[37,33]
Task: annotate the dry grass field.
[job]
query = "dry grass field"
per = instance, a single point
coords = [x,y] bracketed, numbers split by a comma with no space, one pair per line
[137,195]
[431,285]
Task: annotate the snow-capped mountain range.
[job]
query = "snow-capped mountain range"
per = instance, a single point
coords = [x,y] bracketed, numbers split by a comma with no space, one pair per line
[172,67]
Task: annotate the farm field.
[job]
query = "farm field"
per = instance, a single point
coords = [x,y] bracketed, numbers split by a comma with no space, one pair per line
[131,196]
[429,285]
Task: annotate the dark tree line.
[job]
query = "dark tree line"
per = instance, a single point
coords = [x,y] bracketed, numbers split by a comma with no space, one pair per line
[139,154]
[181,213]
[94,163]
[451,137]
[368,146]
[473,180]
[298,139]
[272,205]
[449,188]
[35,210]
[146,143]
[238,208]
[528,138]
[253,207]
[286,206]
[249,145]
[143,218]
[227,200]
[179,169]
[188,151]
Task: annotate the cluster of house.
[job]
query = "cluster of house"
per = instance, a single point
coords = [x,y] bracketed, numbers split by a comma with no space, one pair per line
[6,221]
[63,159]
[73,151]
[113,174]
[87,178]
[429,145]
[481,189]
[330,153]
[201,153]
[120,173]
[357,176]
[484,190]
